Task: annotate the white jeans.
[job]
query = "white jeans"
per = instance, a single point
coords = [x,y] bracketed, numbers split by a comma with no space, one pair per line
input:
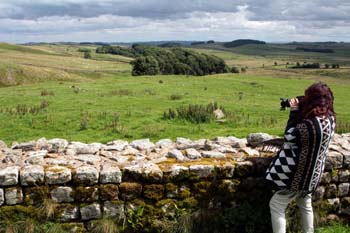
[278,205]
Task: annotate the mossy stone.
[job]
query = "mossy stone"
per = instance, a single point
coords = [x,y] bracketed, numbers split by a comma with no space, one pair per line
[86,194]
[109,192]
[74,227]
[35,195]
[130,190]
[153,191]
[171,190]
[184,192]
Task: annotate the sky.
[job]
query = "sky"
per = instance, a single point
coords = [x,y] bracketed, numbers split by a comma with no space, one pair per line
[24,21]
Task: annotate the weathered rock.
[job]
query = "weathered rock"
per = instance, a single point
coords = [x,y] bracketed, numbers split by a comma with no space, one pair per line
[250,152]
[2,197]
[219,114]
[36,157]
[254,139]
[58,175]
[130,191]
[117,145]
[153,191]
[345,206]
[110,174]
[346,160]
[25,146]
[13,196]
[244,168]
[201,171]
[147,171]
[12,157]
[86,194]
[213,154]
[199,144]
[32,175]
[331,191]
[57,145]
[129,151]
[193,153]
[344,175]
[92,211]
[326,178]
[88,159]
[109,192]
[165,143]
[176,173]
[75,148]
[62,194]
[114,209]
[343,189]
[87,175]
[69,212]
[9,176]
[183,143]
[177,154]
[225,171]
[319,193]
[2,145]
[334,160]
[142,144]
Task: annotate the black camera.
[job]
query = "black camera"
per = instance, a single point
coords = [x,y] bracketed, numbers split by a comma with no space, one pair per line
[285,102]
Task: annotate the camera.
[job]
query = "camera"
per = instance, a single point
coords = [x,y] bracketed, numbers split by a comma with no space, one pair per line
[285,102]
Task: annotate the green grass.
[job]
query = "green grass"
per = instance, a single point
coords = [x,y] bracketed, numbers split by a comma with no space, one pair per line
[98,100]
[333,228]
[122,106]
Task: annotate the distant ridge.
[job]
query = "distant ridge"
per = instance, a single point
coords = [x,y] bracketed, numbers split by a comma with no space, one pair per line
[241,42]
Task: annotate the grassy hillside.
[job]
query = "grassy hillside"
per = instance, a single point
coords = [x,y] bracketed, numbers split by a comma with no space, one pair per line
[23,64]
[64,95]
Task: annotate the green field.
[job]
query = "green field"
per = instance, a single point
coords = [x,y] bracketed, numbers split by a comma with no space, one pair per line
[52,91]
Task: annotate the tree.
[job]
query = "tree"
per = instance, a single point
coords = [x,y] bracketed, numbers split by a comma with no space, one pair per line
[87,54]
[145,65]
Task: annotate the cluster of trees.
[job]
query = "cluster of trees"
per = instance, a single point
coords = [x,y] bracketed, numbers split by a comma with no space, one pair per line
[117,50]
[154,60]
[316,50]
[202,42]
[240,42]
[315,66]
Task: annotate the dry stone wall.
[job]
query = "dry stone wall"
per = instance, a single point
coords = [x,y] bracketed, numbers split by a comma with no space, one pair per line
[93,181]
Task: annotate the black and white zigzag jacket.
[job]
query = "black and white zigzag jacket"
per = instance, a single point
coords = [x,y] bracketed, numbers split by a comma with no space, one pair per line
[298,166]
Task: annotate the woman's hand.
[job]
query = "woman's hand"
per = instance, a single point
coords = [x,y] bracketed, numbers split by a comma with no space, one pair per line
[294,104]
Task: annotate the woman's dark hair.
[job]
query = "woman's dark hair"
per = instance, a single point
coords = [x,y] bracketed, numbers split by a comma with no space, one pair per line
[318,101]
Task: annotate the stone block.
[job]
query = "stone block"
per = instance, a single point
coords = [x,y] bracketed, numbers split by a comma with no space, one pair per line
[142,144]
[109,192]
[25,146]
[344,175]
[13,196]
[201,171]
[86,194]
[68,212]
[254,139]
[326,178]
[88,159]
[192,153]
[183,143]
[165,143]
[343,189]
[177,154]
[92,211]
[32,175]
[334,160]
[110,174]
[213,154]
[319,193]
[57,145]
[36,157]
[2,197]
[225,171]
[86,175]
[62,194]
[171,190]
[9,176]
[175,173]
[58,175]
[130,191]
[331,191]
[117,145]
[114,209]
[347,160]
[153,191]
[244,168]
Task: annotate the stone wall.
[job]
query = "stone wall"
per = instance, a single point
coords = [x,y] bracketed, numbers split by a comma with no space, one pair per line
[83,182]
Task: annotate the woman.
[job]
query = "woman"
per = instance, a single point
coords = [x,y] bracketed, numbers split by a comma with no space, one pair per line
[298,167]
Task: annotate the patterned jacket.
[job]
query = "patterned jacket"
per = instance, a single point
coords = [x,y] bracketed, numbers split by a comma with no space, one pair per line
[298,166]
